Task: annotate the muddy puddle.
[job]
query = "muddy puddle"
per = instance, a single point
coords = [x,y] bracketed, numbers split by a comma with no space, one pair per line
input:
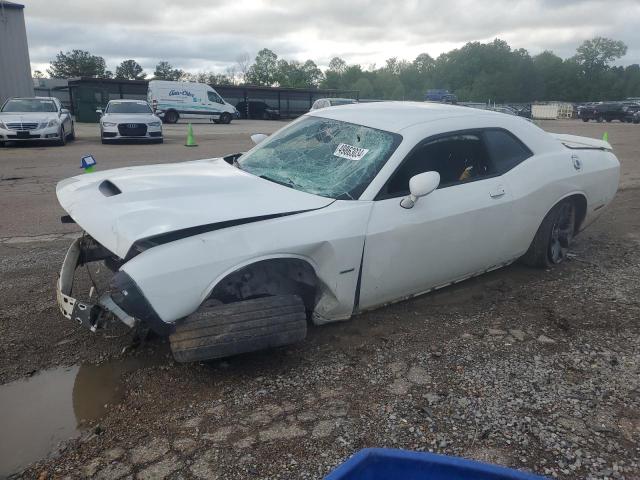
[39,412]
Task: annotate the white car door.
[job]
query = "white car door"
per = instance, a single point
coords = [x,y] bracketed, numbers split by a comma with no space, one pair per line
[460,229]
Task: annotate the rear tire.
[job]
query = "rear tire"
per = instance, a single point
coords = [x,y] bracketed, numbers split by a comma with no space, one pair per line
[171,116]
[246,326]
[553,238]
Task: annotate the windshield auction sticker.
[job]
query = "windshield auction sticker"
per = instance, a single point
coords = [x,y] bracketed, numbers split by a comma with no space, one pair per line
[350,152]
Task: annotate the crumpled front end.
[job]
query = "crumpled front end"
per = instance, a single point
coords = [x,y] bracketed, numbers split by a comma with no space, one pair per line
[122,299]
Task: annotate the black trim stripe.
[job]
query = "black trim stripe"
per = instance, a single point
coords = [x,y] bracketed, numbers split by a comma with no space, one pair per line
[143,244]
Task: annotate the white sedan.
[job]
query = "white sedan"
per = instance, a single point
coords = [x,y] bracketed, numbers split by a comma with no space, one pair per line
[341,211]
[129,120]
[35,119]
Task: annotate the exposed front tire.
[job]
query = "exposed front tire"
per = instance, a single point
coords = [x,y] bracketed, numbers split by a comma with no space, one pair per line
[229,329]
[225,118]
[553,238]
[72,135]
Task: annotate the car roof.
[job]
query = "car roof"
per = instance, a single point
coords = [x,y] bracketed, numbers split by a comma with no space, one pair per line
[127,100]
[33,98]
[396,116]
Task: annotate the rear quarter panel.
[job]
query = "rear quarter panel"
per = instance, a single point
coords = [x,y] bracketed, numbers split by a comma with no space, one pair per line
[541,181]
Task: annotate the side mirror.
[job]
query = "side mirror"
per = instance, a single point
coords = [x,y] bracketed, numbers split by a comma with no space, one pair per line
[258,137]
[64,111]
[99,112]
[419,186]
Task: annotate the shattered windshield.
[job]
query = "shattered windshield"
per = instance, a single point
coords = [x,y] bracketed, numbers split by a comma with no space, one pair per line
[322,156]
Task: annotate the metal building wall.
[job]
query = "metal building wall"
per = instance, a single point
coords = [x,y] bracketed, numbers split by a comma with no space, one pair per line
[15,68]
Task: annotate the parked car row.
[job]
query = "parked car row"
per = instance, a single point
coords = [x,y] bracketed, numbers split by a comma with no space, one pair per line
[609,111]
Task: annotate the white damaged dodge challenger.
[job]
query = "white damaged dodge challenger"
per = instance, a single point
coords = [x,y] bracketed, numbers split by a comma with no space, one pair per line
[343,210]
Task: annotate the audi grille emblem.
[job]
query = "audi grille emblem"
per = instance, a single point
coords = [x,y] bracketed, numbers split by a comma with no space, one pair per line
[131,125]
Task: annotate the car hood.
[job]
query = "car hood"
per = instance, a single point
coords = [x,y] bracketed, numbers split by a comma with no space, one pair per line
[129,118]
[118,207]
[28,117]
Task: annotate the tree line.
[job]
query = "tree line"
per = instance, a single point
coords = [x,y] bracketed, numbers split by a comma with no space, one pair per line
[477,71]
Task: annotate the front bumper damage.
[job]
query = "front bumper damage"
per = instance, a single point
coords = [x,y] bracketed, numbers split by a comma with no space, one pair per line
[123,299]
[91,316]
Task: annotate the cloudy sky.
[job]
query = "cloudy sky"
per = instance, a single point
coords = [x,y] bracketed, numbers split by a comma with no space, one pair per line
[209,35]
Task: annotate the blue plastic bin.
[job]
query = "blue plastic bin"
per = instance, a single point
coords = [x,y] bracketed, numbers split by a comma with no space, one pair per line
[388,464]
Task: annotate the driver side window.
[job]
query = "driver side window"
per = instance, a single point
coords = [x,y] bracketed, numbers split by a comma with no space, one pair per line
[213,97]
[458,158]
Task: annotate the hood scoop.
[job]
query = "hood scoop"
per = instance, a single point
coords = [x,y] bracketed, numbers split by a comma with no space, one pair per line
[109,189]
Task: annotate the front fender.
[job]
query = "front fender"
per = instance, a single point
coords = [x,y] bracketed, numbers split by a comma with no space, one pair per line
[178,276]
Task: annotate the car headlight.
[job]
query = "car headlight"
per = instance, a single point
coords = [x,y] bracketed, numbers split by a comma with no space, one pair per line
[2,125]
[154,124]
[108,124]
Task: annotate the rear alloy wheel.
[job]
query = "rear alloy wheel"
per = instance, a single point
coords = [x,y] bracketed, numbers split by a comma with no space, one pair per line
[562,233]
[553,238]
[225,118]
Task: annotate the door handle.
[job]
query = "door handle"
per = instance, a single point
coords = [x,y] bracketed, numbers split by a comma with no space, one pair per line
[497,192]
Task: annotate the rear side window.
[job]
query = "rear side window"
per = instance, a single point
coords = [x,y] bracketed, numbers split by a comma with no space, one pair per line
[458,158]
[505,150]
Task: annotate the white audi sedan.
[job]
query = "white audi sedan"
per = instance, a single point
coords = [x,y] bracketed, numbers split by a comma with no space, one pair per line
[129,120]
[341,211]
[35,119]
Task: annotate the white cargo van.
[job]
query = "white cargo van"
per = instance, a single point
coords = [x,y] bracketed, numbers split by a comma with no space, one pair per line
[174,100]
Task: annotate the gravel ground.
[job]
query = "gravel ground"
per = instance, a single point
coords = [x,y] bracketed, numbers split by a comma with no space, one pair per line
[533,369]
